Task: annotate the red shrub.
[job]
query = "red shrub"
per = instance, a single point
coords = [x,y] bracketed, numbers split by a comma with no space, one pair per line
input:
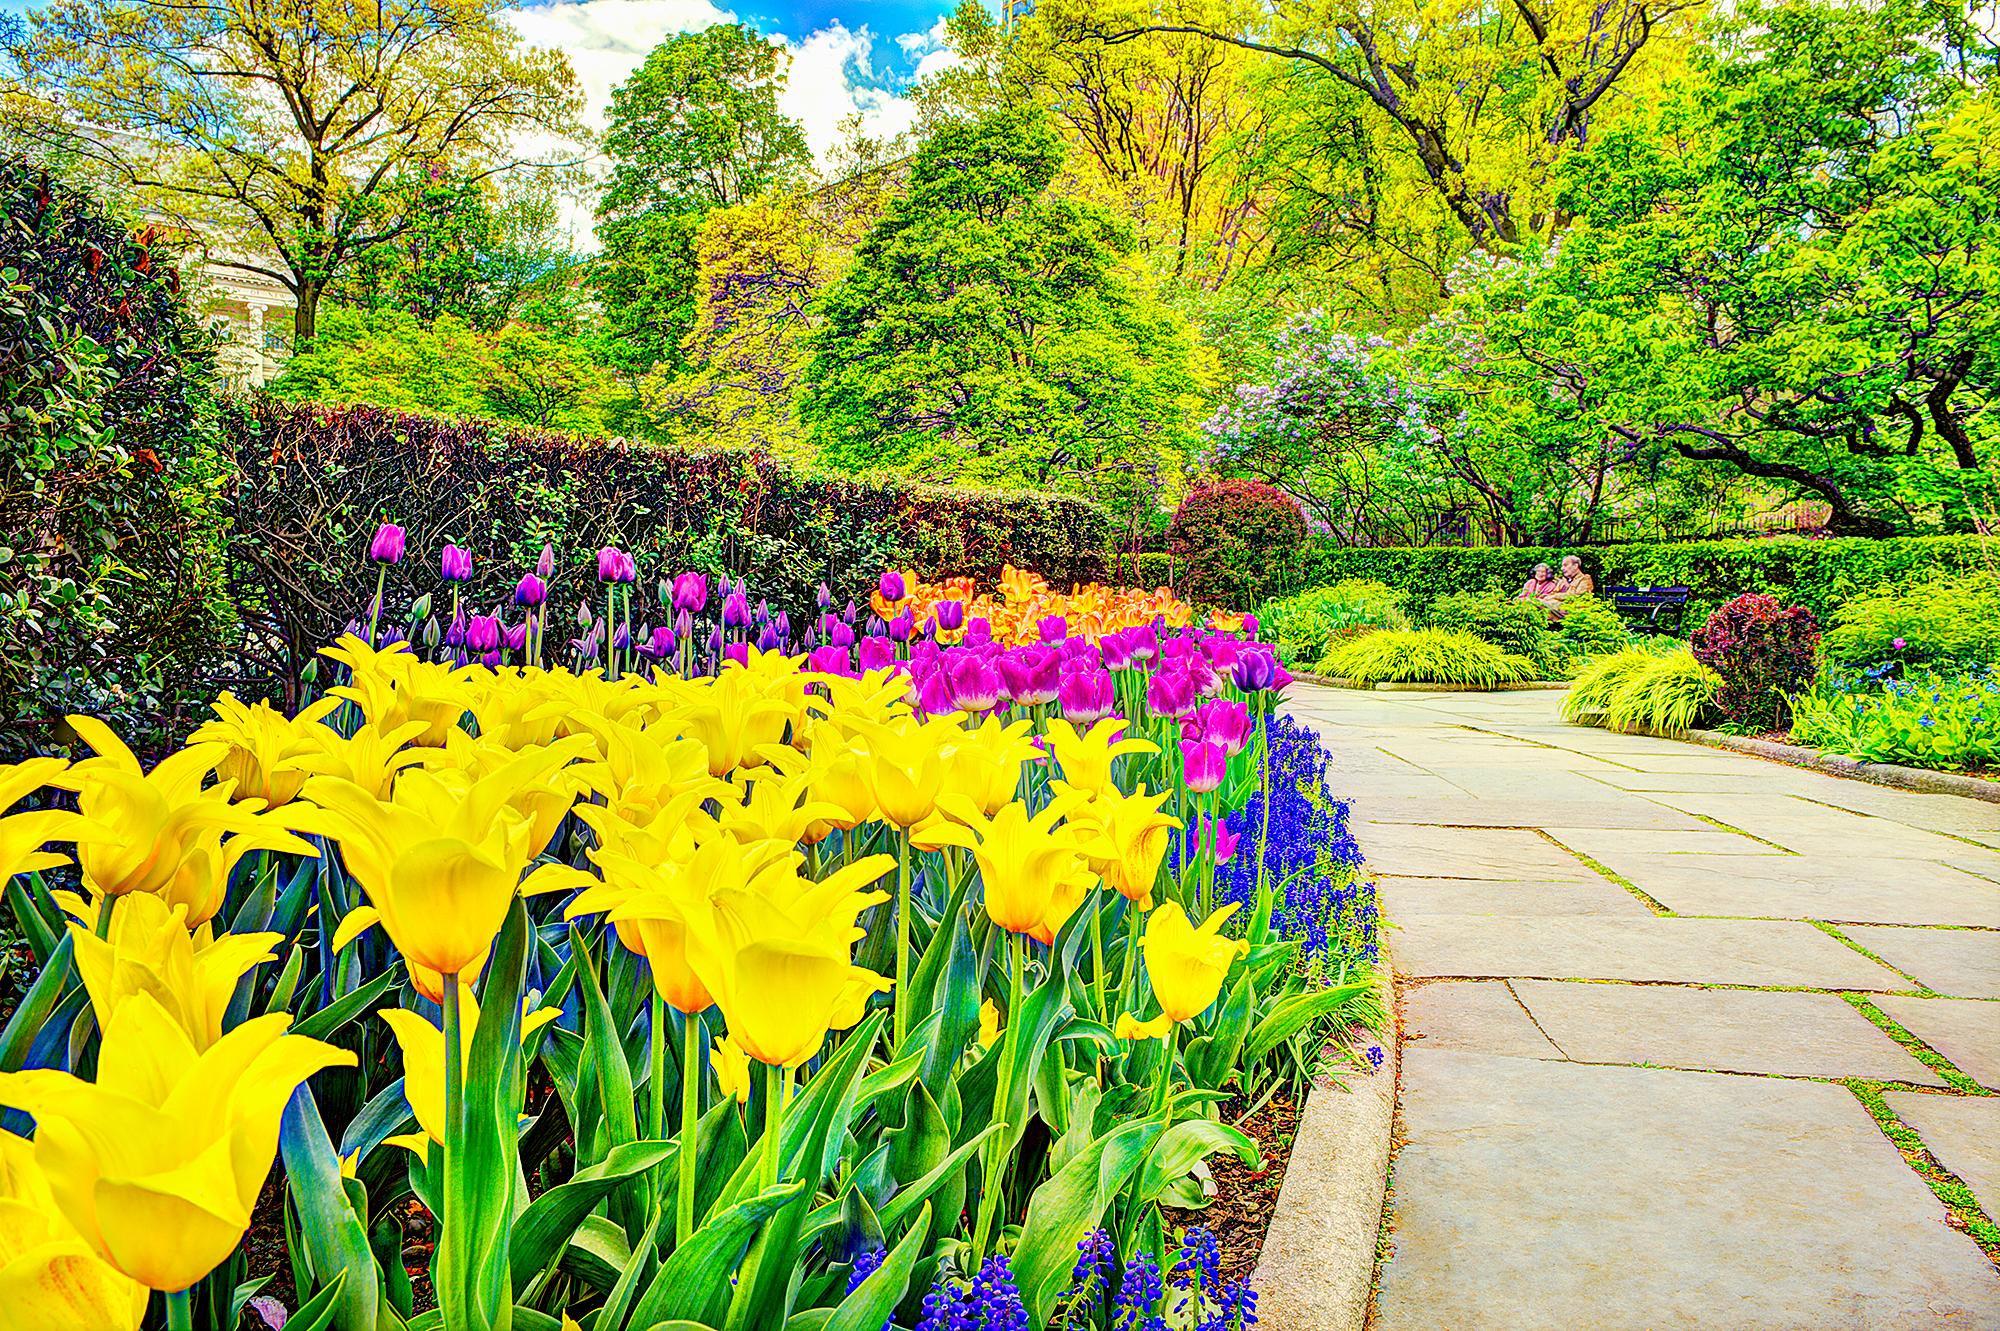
[1234,542]
[1763,649]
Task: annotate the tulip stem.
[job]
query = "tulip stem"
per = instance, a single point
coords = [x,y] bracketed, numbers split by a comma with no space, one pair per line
[777,1081]
[180,1310]
[1133,915]
[1161,1087]
[104,907]
[995,1181]
[690,1120]
[902,995]
[1264,832]
[1097,952]
[449,1240]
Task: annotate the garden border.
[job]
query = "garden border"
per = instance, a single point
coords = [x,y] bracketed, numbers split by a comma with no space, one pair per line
[1402,686]
[1919,779]
[1317,1269]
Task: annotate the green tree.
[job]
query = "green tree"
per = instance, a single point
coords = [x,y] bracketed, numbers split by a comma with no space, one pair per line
[275,129]
[697,127]
[1787,272]
[985,332]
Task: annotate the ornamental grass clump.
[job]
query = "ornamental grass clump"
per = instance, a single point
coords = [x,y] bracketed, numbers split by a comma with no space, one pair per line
[1942,721]
[1643,690]
[1424,656]
[767,991]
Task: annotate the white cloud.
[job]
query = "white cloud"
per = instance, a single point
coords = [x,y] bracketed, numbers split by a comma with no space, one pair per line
[928,49]
[607,39]
[832,78]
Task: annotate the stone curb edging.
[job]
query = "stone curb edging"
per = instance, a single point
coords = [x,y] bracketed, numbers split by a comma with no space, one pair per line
[1318,1265]
[1335,682]
[1918,779]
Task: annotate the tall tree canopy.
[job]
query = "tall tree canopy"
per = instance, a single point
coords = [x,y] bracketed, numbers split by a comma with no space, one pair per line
[276,128]
[986,332]
[697,127]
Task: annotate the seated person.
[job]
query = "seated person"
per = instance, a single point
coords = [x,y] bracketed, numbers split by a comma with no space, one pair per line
[1574,582]
[1539,586]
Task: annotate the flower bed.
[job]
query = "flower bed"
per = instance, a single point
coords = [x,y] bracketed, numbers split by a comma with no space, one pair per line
[893,983]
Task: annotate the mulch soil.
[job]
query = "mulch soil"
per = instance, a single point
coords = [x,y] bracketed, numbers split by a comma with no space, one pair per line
[1245,1197]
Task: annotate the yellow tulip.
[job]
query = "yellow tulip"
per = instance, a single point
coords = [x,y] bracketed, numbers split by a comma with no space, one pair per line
[984,766]
[264,746]
[989,1023]
[149,950]
[424,1056]
[1131,1028]
[138,827]
[442,858]
[1086,756]
[732,1070]
[906,767]
[780,803]
[427,982]
[734,717]
[158,1164]
[1032,871]
[372,758]
[1125,838]
[544,802]
[1185,963]
[851,707]
[394,686]
[647,904]
[50,1280]
[23,835]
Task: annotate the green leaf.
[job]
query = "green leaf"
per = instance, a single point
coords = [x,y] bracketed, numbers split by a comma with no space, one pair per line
[317,1312]
[1184,1145]
[1294,1014]
[1070,1205]
[543,1229]
[694,1281]
[336,1246]
[874,1301]
[344,1010]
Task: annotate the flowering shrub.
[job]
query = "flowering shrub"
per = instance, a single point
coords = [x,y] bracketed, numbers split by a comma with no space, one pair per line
[1947,721]
[775,983]
[1935,625]
[1234,541]
[1763,650]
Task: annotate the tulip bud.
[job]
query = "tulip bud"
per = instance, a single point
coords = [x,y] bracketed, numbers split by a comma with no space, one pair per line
[608,566]
[583,615]
[892,586]
[455,564]
[825,597]
[1204,764]
[950,616]
[483,634]
[545,567]
[387,547]
[515,636]
[433,633]
[767,639]
[531,591]
[735,610]
[420,607]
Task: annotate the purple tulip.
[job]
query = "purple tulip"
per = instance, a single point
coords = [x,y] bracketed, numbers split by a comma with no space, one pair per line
[975,685]
[739,652]
[1250,626]
[545,567]
[768,639]
[387,547]
[659,644]
[1031,674]
[735,610]
[949,616]
[1143,643]
[934,693]
[455,635]
[825,596]
[830,661]
[902,626]
[892,586]
[455,563]
[515,636]
[842,636]
[530,591]
[1204,763]
[1256,669]
[482,634]
[1214,833]
[1171,693]
[924,654]
[1086,696]
[876,652]
[876,626]
[978,632]
[1117,649]
[1053,628]
[691,593]
[622,639]
[1223,722]
[850,614]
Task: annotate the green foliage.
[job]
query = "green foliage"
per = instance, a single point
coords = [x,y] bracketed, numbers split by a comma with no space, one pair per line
[1225,536]
[1591,627]
[1821,575]
[1929,720]
[986,334]
[1305,625]
[1942,624]
[1423,656]
[1513,625]
[1662,692]
[111,553]
[389,358]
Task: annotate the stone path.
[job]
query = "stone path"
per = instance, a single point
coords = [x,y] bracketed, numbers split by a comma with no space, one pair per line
[1693,1039]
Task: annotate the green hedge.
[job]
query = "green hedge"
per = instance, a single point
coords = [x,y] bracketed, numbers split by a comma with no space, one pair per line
[1819,574]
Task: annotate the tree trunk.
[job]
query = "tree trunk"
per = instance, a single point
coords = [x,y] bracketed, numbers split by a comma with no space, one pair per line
[305,318]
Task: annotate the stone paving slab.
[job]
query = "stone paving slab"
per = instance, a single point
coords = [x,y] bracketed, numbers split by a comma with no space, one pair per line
[1480,1016]
[1803,888]
[1670,950]
[1483,812]
[1406,898]
[1722,1030]
[1802,826]
[1961,963]
[1598,842]
[1963,1132]
[1964,1030]
[1540,1194]
[1453,852]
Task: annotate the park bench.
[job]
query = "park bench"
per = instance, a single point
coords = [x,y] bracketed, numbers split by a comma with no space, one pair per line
[1647,602]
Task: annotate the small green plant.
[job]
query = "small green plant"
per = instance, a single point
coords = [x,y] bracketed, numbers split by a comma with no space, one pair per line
[1512,625]
[1591,627]
[1641,689]
[1940,624]
[1424,656]
[1945,721]
[1304,626]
